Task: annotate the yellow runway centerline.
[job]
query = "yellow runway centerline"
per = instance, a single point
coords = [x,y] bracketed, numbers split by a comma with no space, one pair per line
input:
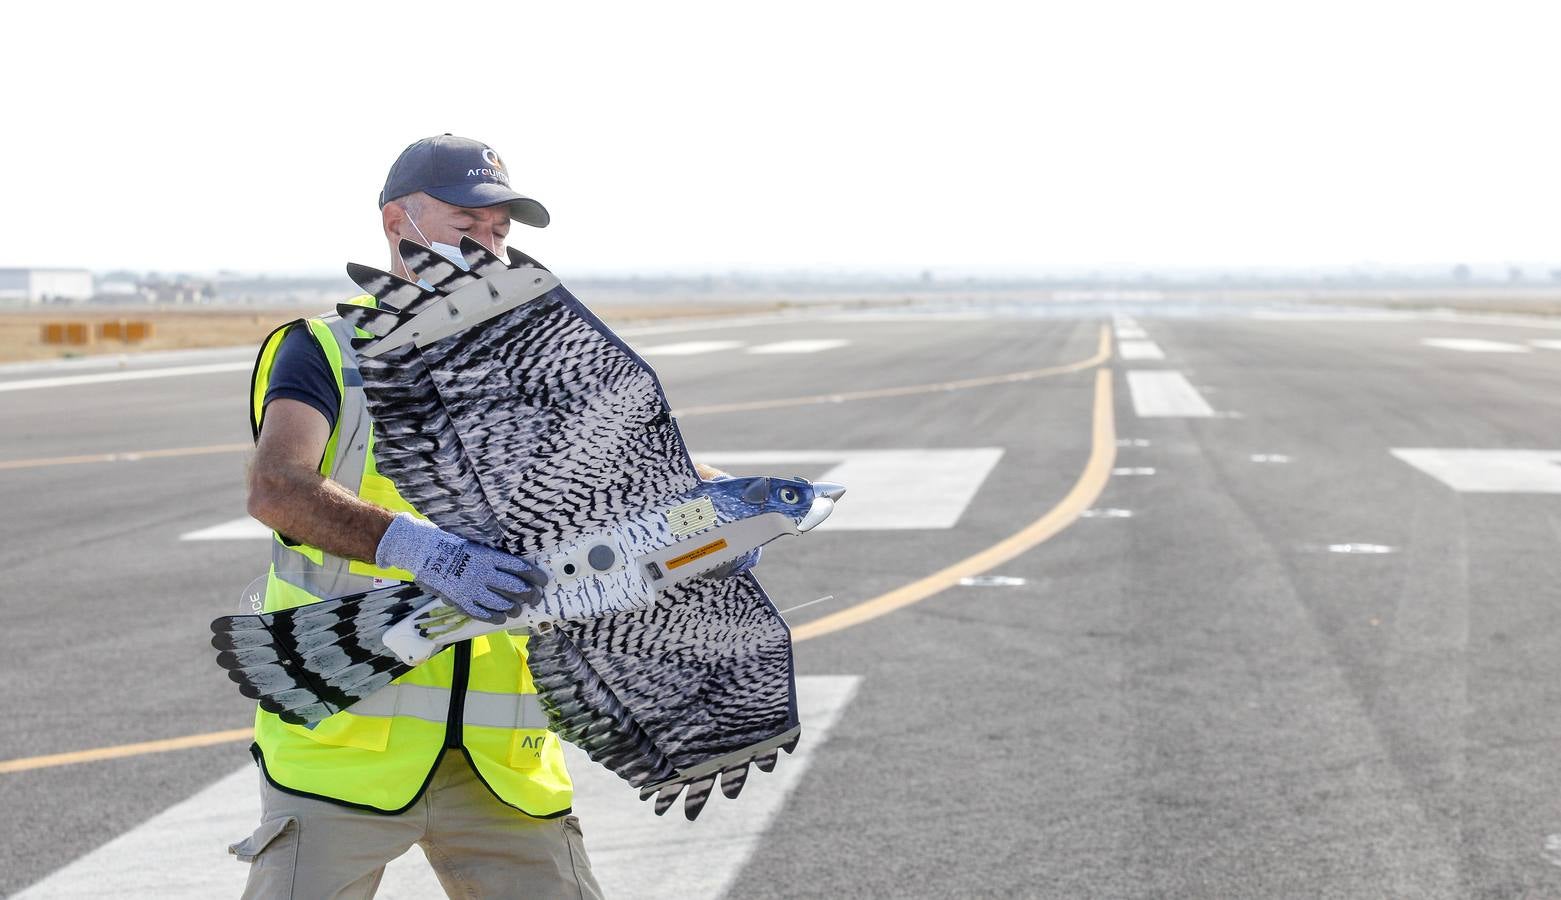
[162,746]
[126,456]
[1097,470]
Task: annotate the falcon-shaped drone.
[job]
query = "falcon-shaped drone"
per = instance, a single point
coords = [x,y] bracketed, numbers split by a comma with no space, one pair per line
[508,414]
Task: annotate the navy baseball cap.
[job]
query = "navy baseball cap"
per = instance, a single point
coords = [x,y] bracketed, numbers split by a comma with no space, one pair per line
[461,172]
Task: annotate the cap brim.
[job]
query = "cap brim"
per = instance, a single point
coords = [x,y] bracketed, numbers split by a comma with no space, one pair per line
[475,196]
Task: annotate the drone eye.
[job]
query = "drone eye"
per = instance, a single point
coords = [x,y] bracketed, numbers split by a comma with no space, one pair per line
[789,495]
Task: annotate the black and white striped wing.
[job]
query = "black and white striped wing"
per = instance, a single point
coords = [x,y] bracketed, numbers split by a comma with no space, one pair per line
[538,425]
[547,426]
[568,427]
[691,689]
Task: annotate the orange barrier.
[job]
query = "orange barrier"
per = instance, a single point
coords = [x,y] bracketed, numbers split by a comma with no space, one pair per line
[66,333]
[128,331]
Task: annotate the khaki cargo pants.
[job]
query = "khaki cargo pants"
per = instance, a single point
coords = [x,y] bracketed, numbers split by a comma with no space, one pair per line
[478,847]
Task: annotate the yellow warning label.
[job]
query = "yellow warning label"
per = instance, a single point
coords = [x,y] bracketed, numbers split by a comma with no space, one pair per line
[697,553]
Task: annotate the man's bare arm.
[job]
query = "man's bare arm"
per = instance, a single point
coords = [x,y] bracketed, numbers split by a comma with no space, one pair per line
[288,493]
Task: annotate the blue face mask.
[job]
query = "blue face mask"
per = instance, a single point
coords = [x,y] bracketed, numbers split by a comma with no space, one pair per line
[448,251]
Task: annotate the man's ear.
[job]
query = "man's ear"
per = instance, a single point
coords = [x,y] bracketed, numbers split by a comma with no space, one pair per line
[393,218]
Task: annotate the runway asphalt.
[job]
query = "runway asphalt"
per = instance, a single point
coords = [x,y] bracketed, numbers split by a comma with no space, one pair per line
[1273,659]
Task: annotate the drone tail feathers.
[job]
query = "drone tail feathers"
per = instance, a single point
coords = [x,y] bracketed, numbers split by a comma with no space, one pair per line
[311,661]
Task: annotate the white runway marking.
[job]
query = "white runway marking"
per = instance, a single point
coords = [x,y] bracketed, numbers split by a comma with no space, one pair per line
[1489,471]
[687,348]
[1166,394]
[801,346]
[1140,350]
[181,853]
[24,384]
[1107,512]
[1133,470]
[1130,334]
[992,581]
[885,489]
[1546,344]
[243,528]
[889,489]
[1474,345]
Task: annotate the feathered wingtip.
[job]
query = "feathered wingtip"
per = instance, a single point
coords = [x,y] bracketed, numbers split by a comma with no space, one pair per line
[390,292]
[517,259]
[310,662]
[398,300]
[732,773]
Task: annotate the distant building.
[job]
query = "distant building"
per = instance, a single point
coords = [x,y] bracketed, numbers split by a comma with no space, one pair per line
[19,286]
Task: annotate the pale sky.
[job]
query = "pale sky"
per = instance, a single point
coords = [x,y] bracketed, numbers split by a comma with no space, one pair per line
[800,136]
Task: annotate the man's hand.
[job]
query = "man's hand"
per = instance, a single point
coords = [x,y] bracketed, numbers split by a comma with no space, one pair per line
[482,582]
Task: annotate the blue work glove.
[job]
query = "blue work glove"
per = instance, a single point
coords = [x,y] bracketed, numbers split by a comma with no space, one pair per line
[482,582]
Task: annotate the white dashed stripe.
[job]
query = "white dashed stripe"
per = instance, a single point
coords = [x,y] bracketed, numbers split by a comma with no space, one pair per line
[1140,350]
[688,348]
[1474,345]
[243,528]
[803,346]
[1166,394]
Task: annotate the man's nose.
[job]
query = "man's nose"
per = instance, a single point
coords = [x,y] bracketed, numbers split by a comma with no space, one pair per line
[493,241]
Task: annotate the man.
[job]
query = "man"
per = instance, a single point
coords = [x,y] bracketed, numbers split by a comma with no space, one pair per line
[455,755]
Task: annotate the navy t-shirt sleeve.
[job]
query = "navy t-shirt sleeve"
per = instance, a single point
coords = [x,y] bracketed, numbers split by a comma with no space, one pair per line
[301,372]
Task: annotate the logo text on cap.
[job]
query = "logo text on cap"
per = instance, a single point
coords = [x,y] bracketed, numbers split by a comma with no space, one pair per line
[497,170]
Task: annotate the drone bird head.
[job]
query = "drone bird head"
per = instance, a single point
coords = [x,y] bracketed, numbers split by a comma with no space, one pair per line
[803,501]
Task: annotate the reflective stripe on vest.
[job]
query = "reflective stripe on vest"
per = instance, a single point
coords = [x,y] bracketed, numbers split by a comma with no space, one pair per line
[332,576]
[432,703]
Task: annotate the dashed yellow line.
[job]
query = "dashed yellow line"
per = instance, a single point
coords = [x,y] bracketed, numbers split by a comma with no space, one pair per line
[1097,470]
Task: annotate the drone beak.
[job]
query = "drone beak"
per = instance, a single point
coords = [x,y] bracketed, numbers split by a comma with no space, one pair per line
[824,496]
[818,512]
[829,489]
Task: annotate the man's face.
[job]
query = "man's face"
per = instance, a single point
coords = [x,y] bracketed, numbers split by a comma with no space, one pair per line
[447,224]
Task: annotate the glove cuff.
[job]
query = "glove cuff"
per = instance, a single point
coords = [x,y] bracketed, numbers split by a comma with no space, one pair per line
[406,543]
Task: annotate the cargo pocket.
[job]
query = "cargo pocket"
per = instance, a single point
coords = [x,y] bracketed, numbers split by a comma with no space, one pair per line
[268,834]
[579,863]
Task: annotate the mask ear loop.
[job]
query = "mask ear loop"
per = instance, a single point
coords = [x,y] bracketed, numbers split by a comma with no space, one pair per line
[426,241]
[404,267]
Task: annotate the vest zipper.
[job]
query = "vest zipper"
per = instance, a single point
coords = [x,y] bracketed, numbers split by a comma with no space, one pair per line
[455,718]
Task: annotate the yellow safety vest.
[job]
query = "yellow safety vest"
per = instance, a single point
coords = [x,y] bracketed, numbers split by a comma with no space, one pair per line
[476,695]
